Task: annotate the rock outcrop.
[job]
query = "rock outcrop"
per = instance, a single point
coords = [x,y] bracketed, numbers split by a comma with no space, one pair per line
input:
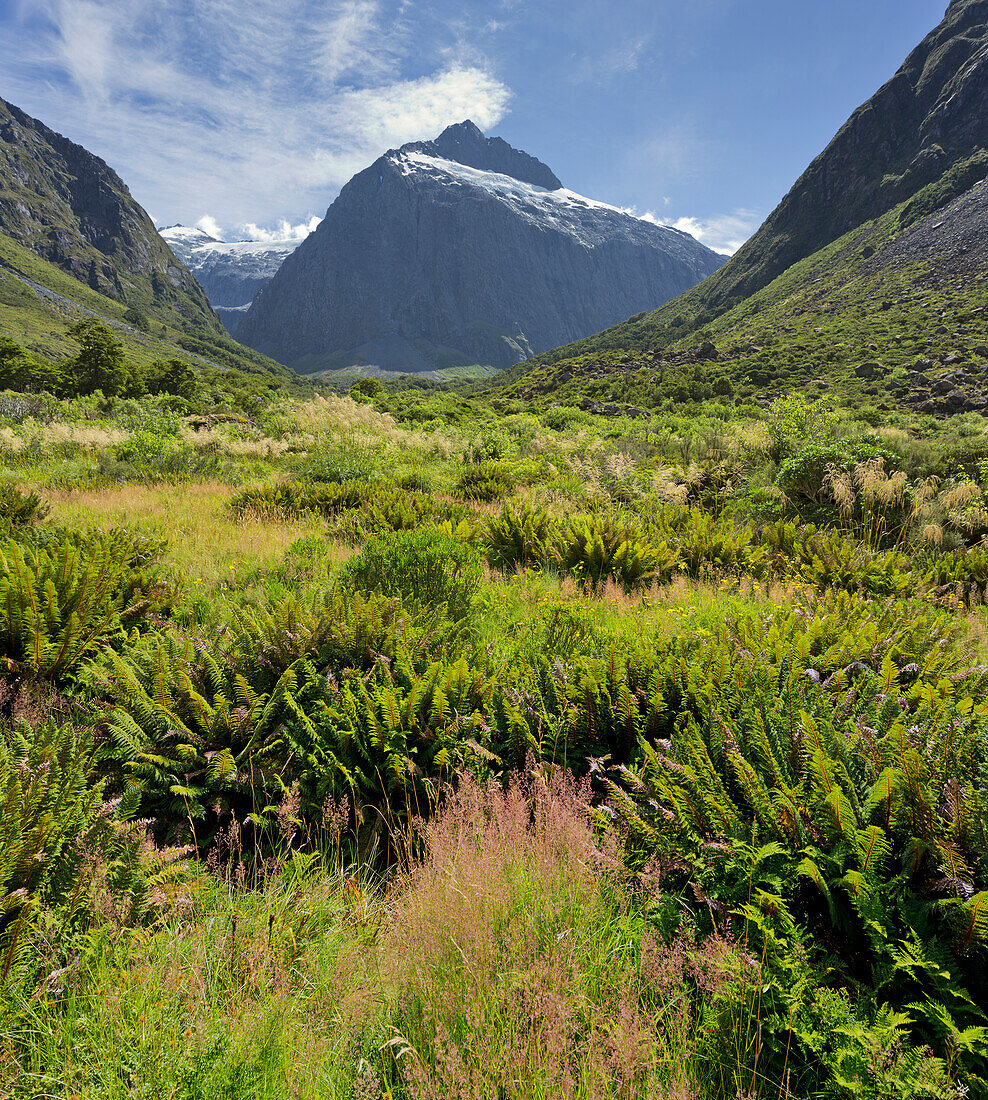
[459,251]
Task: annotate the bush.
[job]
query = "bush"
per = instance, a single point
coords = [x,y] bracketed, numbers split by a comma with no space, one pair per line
[427,569]
[518,539]
[19,509]
[803,477]
[599,549]
[485,482]
[63,599]
[368,388]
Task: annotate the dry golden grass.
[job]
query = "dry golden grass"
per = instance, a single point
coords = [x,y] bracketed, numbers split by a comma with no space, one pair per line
[344,421]
[205,540]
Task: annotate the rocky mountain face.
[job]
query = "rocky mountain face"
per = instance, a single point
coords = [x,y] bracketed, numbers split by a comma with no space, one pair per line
[71,209]
[929,122]
[230,272]
[460,251]
[870,276]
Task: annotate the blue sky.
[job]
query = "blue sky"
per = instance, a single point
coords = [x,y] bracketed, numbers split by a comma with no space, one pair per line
[251,113]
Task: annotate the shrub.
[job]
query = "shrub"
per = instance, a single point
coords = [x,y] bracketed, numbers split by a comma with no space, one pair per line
[807,818]
[62,600]
[804,476]
[598,549]
[19,509]
[485,482]
[428,569]
[61,843]
[368,388]
[519,538]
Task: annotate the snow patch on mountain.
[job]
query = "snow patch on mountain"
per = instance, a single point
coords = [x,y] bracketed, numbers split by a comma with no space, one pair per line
[230,272]
[563,208]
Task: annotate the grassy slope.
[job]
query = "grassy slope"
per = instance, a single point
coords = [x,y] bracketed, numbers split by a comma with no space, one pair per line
[809,328]
[39,323]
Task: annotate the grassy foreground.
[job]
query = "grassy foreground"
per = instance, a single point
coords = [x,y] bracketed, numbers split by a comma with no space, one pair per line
[406,745]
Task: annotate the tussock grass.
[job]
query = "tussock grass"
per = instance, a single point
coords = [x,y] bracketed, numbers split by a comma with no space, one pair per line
[511,959]
[205,542]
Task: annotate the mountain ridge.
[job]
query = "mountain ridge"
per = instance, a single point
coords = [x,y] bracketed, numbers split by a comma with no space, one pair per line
[69,207]
[426,263]
[465,143]
[230,272]
[932,114]
[894,291]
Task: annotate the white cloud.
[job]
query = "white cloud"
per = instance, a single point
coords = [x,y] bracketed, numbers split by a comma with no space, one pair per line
[724,233]
[283,231]
[403,112]
[346,43]
[210,226]
[252,109]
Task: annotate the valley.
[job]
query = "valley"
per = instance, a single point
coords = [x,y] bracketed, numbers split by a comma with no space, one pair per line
[526,654]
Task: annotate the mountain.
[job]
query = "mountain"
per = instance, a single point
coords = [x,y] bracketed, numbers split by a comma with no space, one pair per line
[929,119]
[70,208]
[230,272]
[463,251]
[75,245]
[869,278]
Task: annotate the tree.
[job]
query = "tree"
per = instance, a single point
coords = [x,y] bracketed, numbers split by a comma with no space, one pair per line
[367,387]
[100,364]
[23,373]
[172,376]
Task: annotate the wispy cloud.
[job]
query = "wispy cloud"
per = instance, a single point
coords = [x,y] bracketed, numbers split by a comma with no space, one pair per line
[249,108]
[724,233]
[619,60]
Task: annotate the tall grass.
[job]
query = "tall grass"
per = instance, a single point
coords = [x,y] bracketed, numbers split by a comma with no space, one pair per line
[512,959]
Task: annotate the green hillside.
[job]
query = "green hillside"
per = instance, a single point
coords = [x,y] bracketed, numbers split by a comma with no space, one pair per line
[869,269]
[891,297]
[39,301]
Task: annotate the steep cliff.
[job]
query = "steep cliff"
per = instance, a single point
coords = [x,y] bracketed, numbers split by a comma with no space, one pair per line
[458,251]
[928,121]
[874,262]
[70,208]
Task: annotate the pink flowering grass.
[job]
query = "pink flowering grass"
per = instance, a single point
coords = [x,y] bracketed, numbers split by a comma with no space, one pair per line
[526,967]
[513,959]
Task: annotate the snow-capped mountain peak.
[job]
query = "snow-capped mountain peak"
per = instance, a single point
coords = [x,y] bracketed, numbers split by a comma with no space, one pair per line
[534,202]
[230,272]
[462,251]
[185,234]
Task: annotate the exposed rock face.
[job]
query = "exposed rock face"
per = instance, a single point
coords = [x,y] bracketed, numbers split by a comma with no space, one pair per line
[72,209]
[459,251]
[929,119]
[230,272]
